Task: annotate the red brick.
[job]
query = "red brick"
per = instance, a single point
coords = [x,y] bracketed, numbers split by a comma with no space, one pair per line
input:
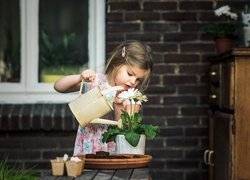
[172,6]
[196,5]
[180,80]
[180,58]
[160,27]
[194,69]
[194,47]
[179,16]
[124,6]
[180,37]
[164,69]
[142,16]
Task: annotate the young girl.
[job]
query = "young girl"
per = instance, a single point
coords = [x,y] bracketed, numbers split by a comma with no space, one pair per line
[129,66]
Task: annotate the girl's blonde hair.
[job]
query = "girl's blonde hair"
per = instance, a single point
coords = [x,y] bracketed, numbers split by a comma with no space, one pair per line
[132,53]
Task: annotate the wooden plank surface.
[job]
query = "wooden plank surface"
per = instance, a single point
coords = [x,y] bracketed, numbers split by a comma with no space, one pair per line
[122,174]
[88,174]
[142,173]
[115,174]
[104,174]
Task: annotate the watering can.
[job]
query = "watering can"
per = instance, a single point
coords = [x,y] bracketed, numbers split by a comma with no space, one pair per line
[90,106]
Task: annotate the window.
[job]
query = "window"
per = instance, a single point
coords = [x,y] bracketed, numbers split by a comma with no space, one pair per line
[32,24]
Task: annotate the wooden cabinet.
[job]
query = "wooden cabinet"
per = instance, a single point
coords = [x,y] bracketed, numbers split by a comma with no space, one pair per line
[228,156]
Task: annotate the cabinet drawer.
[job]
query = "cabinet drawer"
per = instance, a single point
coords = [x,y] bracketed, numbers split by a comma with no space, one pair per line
[215,74]
[222,85]
[214,97]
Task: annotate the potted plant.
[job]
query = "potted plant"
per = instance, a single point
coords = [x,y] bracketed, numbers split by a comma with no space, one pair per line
[225,31]
[133,131]
[246,25]
[58,58]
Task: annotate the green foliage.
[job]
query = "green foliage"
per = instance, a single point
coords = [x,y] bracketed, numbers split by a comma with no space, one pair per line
[222,30]
[12,55]
[54,54]
[13,173]
[132,129]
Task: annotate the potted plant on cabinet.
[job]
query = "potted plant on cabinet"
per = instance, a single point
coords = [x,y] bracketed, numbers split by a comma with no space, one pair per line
[246,25]
[225,31]
[130,139]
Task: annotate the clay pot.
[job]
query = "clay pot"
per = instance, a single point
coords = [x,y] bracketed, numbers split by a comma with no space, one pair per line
[224,45]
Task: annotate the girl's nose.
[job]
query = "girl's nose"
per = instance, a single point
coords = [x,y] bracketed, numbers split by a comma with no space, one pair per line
[133,80]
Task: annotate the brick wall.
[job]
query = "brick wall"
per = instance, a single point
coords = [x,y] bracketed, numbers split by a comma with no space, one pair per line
[179,88]
[32,134]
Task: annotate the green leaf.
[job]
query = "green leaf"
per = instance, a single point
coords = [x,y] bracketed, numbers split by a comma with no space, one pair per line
[132,138]
[151,131]
[15,173]
[110,134]
[137,118]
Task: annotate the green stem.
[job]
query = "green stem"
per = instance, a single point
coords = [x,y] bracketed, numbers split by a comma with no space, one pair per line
[130,115]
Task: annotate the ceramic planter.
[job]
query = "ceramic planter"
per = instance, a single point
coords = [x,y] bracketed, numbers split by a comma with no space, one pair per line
[224,45]
[123,147]
[246,35]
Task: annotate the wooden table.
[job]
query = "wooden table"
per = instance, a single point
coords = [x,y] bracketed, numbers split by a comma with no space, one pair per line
[115,174]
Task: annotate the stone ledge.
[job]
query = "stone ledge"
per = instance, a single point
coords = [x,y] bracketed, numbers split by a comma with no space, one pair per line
[23,117]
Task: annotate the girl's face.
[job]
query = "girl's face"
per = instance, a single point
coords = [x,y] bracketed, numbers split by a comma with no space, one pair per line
[129,77]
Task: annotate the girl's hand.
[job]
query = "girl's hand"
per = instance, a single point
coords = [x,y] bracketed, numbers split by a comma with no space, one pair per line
[117,99]
[88,75]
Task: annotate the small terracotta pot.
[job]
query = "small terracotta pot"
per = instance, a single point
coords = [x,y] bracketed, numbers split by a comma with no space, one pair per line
[223,45]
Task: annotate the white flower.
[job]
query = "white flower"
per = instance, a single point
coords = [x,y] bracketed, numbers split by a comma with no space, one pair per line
[132,94]
[222,10]
[65,157]
[232,15]
[225,10]
[75,159]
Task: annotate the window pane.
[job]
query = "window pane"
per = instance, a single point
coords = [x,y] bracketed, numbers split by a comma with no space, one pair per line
[9,41]
[63,37]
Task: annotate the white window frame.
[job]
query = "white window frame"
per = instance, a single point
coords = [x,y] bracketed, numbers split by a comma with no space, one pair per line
[29,90]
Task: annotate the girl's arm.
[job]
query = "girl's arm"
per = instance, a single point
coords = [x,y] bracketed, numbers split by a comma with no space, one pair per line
[68,83]
[72,83]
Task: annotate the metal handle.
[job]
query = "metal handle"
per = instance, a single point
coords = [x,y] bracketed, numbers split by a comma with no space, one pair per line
[210,158]
[205,157]
[213,96]
[213,73]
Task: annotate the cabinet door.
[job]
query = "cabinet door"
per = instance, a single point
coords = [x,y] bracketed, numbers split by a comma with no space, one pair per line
[210,151]
[242,118]
[223,139]
[227,84]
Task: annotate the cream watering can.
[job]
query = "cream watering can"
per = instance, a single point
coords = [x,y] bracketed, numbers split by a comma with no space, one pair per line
[90,106]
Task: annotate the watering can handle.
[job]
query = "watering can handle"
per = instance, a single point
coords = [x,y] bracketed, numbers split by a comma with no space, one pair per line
[81,86]
[104,92]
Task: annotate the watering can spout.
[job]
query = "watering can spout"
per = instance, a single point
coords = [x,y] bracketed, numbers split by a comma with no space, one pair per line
[105,121]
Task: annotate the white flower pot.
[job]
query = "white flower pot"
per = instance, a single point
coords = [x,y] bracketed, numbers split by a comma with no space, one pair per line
[246,34]
[123,147]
